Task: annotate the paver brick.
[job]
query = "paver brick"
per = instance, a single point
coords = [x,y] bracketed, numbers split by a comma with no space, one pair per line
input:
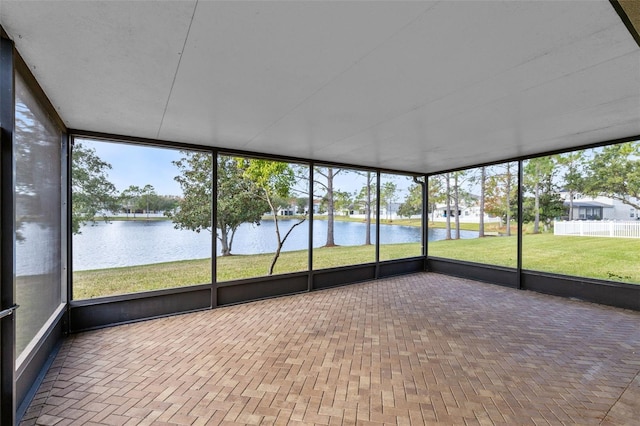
[417,349]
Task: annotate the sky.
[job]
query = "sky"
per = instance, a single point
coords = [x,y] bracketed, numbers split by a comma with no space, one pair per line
[142,165]
[139,165]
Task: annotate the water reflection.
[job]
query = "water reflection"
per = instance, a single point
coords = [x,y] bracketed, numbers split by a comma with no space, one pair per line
[139,242]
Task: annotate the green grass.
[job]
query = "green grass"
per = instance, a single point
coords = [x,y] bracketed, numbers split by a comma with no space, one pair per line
[133,279]
[463,226]
[607,258]
[499,251]
[604,258]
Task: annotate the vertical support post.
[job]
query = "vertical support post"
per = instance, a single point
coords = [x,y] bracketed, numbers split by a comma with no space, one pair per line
[69,231]
[65,227]
[310,219]
[425,221]
[7,234]
[377,273]
[520,214]
[424,236]
[214,232]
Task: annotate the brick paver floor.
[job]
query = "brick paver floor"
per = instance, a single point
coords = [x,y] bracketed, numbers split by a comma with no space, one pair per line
[417,349]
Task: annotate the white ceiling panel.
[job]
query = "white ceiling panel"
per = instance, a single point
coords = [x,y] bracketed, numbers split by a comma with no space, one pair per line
[443,96]
[419,85]
[106,66]
[256,62]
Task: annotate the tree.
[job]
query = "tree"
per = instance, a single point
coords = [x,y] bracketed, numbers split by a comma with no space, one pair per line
[479,177]
[388,195]
[412,203]
[365,199]
[128,198]
[148,191]
[572,162]
[302,203]
[273,179]
[460,195]
[239,200]
[538,172]
[161,203]
[329,173]
[551,206]
[483,189]
[436,194]
[447,178]
[342,202]
[501,192]
[614,172]
[93,194]
[194,212]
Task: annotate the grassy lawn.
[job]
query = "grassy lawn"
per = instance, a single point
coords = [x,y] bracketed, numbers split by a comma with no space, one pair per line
[106,282]
[607,258]
[499,251]
[604,258]
[340,218]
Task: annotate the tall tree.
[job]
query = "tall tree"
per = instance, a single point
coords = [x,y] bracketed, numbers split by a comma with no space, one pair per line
[93,194]
[479,177]
[274,179]
[365,198]
[342,202]
[501,192]
[614,172]
[508,181]
[412,204]
[436,194]
[129,198]
[573,182]
[388,194]
[239,200]
[460,195]
[456,201]
[148,191]
[537,172]
[328,173]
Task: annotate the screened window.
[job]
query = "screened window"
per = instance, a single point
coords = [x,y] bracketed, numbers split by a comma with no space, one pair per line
[400,217]
[38,188]
[579,213]
[344,203]
[262,217]
[141,218]
[473,215]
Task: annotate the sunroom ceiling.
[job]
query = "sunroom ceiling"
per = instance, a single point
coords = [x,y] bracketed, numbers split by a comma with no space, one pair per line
[417,86]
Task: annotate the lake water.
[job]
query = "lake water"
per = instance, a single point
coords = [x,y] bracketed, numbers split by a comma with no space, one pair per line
[108,245]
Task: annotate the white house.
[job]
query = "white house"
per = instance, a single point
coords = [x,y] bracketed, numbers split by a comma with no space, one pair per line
[599,208]
[468,211]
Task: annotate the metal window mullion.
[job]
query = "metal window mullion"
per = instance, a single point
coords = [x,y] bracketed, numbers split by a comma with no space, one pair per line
[310,242]
[7,233]
[377,273]
[214,231]
[520,220]
[425,226]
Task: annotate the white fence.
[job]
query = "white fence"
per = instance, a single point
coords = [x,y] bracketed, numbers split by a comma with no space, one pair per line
[598,228]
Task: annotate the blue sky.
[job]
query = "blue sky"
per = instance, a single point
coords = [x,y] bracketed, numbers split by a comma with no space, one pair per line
[139,165]
[142,165]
